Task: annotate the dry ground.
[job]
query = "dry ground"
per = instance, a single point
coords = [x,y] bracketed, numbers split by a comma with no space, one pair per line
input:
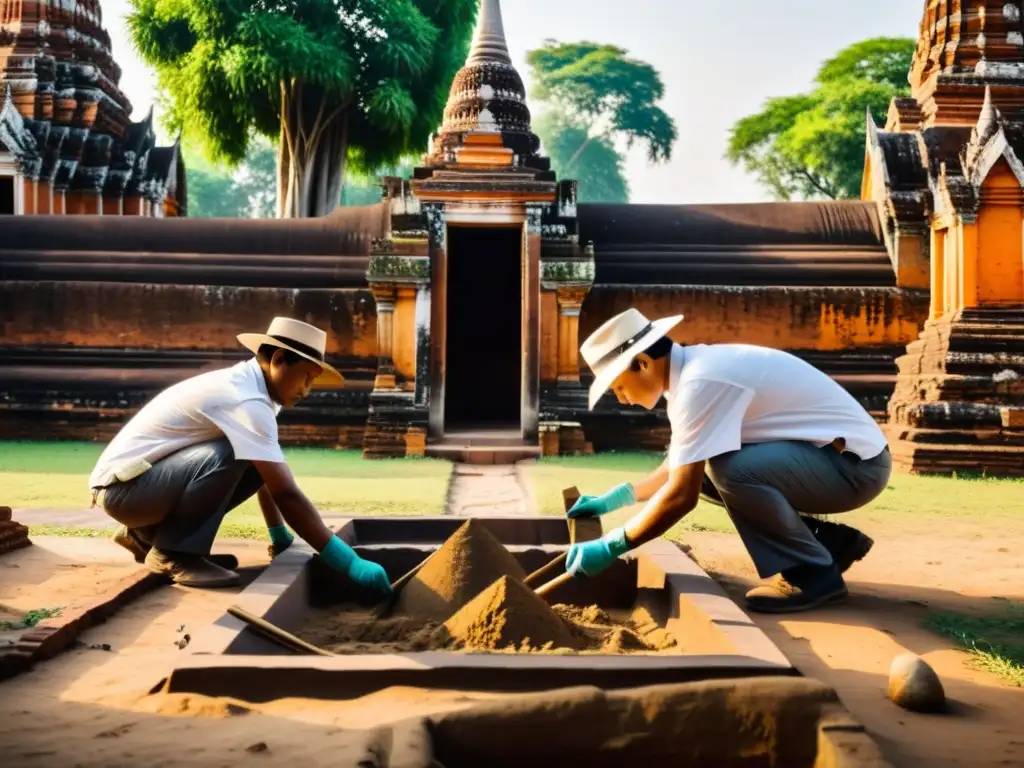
[949,546]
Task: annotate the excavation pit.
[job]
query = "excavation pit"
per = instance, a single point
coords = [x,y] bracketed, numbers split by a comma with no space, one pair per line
[711,637]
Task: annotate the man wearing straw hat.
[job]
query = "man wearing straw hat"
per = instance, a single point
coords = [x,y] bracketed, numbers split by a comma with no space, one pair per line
[759,431]
[203,446]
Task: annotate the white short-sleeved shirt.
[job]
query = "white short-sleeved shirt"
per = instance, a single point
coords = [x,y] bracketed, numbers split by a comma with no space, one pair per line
[230,402]
[722,396]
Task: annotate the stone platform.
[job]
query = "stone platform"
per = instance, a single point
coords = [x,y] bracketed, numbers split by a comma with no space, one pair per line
[958,406]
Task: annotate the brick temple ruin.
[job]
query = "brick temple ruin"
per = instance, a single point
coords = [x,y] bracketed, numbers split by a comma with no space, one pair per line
[455,306]
[67,145]
[947,172]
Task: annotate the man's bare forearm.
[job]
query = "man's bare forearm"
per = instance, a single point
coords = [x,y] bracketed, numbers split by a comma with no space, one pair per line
[675,499]
[271,514]
[302,517]
[650,485]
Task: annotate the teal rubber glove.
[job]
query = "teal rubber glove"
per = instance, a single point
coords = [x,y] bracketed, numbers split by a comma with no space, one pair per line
[341,557]
[594,506]
[280,540]
[592,557]
[280,537]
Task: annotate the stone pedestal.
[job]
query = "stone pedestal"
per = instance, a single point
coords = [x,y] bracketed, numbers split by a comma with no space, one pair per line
[958,406]
[12,535]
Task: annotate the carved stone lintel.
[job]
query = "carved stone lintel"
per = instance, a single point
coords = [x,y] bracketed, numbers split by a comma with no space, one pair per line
[567,272]
[398,268]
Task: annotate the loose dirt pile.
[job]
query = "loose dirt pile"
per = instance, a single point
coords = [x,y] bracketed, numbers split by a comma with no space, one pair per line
[470,596]
[509,614]
[469,562]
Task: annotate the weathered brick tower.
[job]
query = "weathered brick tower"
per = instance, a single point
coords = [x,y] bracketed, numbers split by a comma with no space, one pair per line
[947,173]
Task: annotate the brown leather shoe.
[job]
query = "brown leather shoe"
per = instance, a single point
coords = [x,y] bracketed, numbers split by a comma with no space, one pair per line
[190,570]
[128,539]
[810,588]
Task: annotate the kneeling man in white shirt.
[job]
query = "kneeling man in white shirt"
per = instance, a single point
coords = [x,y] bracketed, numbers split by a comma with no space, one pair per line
[203,446]
[757,430]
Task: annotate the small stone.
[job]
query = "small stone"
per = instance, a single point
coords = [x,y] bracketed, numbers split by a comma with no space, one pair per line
[914,685]
[259,746]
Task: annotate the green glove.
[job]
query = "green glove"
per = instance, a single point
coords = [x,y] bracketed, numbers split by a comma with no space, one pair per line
[595,506]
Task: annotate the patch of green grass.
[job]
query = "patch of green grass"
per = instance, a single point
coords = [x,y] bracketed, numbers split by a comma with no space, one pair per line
[995,643]
[55,476]
[30,619]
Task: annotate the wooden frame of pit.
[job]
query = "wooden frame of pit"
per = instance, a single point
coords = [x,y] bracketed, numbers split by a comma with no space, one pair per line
[228,659]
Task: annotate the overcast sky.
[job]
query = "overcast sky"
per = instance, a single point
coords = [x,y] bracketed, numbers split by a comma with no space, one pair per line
[719,60]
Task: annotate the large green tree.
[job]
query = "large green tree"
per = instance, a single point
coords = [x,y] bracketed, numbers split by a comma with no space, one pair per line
[811,146]
[595,97]
[330,80]
[248,191]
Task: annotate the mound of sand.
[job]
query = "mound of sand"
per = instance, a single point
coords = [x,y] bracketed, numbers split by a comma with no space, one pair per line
[464,566]
[509,614]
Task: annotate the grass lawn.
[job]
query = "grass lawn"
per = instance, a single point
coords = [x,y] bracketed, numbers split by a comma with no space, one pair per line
[55,476]
[995,643]
[936,497]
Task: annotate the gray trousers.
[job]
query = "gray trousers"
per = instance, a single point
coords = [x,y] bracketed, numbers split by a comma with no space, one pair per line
[764,487]
[179,504]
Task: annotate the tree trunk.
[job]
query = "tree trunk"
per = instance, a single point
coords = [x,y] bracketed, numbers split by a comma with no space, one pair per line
[312,152]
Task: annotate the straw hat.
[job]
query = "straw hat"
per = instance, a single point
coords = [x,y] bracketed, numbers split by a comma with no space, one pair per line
[303,339]
[610,349]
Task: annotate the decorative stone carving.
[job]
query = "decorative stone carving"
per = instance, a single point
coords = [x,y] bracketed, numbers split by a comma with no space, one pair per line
[955,165]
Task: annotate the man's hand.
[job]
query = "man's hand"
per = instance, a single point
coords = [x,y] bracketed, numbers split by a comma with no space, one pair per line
[595,506]
[341,557]
[593,557]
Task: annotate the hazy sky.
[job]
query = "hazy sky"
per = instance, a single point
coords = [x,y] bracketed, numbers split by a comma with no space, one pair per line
[720,59]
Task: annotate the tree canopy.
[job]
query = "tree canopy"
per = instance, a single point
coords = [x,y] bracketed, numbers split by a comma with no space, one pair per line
[811,146]
[331,80]
[595,96]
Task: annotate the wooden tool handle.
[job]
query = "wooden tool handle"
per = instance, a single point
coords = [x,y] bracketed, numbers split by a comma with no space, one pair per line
[544,589]
[276,634]
[537,577]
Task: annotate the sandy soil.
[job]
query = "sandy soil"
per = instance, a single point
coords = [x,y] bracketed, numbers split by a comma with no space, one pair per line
[914,567]
[90,707]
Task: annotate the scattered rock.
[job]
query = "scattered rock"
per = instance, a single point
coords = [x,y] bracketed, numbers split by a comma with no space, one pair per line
[259,746]
[914,685]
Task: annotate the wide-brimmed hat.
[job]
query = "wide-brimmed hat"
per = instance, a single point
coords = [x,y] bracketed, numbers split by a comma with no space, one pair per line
[610,349]
[303,339]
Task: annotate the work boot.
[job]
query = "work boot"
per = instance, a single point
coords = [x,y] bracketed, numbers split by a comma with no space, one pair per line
[190,570]
[127,538]
[798,589]
[846,545]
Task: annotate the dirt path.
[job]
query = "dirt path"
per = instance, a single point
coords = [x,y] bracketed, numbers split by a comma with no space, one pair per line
[483,491]
[915,567]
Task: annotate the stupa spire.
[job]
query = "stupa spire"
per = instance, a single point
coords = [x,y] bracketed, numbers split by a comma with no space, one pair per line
[489,46]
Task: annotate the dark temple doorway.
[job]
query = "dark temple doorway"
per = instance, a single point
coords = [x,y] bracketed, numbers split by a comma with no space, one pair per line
[483,355]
